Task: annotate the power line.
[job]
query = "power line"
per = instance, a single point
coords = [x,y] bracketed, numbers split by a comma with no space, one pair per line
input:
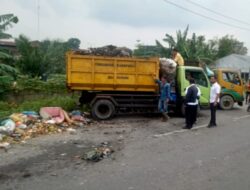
[218,13]
[207,17]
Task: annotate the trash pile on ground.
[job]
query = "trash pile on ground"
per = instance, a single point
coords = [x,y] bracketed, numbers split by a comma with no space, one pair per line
[104,150]
[109,50]
[19,127]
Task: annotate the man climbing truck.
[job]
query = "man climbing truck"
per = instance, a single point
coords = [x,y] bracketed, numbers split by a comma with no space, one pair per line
[117,85]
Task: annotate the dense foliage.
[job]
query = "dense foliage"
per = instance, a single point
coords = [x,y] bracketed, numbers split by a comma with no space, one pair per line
[193,49]
[7,71]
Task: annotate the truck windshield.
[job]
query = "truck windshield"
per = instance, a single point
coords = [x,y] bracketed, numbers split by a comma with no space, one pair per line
[198,76]
[231,77]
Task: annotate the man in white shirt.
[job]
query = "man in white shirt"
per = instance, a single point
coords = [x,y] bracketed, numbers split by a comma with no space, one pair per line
[214,100]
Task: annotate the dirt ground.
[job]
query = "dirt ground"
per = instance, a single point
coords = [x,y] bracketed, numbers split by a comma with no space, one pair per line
[26,159]
[145,150]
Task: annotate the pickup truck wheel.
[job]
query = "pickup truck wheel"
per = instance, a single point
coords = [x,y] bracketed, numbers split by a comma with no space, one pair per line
[226,102]
[103,109]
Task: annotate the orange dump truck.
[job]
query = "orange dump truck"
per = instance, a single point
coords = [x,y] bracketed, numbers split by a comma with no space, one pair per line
[114,83]
[117,85]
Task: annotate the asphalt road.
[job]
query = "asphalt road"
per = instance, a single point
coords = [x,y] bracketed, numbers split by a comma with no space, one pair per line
[149,155]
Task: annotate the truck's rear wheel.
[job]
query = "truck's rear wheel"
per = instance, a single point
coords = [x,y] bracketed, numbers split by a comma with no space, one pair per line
[103,109]
[226,102]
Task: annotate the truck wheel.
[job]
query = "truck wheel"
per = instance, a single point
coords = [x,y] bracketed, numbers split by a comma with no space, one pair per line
[226,102]
[103,109]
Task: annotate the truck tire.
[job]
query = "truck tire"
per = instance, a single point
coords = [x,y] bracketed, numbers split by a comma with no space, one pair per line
[103,109]
[226,102]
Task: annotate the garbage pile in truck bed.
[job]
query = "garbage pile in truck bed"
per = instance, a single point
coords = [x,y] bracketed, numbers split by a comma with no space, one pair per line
[19,127]
[110,50]
[168,68]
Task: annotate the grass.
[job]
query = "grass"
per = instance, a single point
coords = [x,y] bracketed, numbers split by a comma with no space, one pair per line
[54,84]
[52,93]
[68,103]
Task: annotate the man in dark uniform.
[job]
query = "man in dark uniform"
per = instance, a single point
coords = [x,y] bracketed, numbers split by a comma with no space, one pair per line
[192,95]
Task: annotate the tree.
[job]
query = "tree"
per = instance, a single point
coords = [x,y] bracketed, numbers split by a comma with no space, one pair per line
[197,49]
[7,72]
[33,61]
[6,21]
[146,50]
[55,50]
[194,49]
[228,45]
[73,43]
[46,58]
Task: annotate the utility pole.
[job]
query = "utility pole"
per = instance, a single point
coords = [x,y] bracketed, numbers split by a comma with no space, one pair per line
[38,20]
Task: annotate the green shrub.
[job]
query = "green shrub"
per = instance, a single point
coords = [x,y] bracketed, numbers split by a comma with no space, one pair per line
[55,84]
[68,103]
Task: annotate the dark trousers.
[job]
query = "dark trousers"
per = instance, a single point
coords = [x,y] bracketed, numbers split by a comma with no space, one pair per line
[191,114]
[213,114]
[247,95]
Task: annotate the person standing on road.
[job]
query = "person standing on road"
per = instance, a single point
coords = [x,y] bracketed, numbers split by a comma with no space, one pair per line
[164,97]
[176,56]
[192,95]
[214,100]
[247,89]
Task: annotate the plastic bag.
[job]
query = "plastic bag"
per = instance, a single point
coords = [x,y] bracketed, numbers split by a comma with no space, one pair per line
[7,126]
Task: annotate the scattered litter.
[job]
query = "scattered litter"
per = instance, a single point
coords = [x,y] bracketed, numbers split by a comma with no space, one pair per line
[98,153]
[18,117]
[21,126]
[71,131]
[5,146]
[7,126]
[26,175]
[29,124]
[54,115]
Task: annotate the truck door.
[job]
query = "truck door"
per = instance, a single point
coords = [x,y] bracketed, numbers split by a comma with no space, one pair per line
[202,82]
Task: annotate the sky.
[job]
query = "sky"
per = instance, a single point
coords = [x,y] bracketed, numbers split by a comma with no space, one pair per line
[125,22]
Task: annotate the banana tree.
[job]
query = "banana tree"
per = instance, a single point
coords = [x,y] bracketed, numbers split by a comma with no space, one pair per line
[7,72]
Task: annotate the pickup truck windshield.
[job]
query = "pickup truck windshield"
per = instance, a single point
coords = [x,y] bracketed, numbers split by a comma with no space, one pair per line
[198,76]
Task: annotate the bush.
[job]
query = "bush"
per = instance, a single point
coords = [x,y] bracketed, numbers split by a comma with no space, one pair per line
[5,84]
[55,84]
[65,102]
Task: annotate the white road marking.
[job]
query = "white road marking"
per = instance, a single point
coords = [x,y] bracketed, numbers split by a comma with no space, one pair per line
[195,128]
[180,131]
[242,117]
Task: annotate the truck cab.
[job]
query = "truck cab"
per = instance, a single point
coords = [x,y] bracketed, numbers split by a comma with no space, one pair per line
[201,79]
[232,87]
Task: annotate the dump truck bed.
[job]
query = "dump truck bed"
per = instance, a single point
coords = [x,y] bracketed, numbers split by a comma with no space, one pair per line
[97,73]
